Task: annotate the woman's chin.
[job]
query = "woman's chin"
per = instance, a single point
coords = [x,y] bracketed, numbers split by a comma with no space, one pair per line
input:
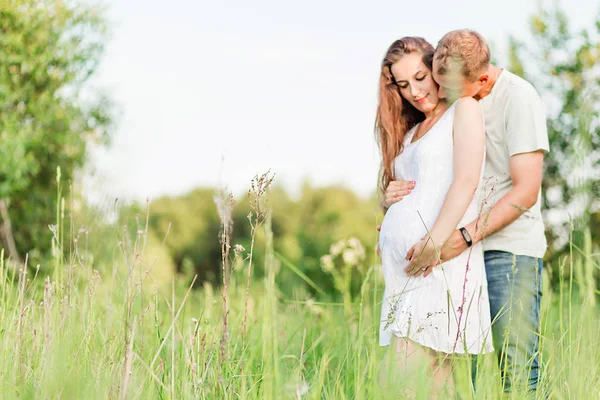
[424,107]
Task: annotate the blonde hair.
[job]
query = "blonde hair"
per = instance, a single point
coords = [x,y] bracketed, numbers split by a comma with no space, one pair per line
[465,49]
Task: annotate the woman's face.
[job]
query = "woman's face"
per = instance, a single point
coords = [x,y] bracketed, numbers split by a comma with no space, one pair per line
[416,82]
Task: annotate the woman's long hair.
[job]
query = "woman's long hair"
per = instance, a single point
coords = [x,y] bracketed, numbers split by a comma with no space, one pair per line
[396,116]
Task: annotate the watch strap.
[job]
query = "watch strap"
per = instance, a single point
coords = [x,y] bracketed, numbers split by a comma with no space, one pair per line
[466,236]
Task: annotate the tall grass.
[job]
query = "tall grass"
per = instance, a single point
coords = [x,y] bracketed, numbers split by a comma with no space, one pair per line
[82,334]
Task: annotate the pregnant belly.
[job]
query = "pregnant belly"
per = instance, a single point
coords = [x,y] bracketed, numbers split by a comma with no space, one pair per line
[407,221]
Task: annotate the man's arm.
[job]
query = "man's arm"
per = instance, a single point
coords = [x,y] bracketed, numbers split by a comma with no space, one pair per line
[526,174]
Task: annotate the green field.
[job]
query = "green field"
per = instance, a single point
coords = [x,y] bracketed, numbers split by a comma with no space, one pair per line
[80,334]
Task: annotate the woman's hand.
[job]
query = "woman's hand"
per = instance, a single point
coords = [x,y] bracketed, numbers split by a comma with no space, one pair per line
[396,191]
[422,257]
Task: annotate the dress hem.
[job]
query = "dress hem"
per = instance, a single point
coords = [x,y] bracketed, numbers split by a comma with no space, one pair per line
[439,350]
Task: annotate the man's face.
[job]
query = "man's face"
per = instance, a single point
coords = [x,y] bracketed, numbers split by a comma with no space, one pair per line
[453,85]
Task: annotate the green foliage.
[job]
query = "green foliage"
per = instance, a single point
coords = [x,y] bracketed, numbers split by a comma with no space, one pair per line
[190,227]
[48,50]
[98,336]
[304,229]
[328,215]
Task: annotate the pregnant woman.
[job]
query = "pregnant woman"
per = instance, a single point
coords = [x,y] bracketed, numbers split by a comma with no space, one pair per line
[429,313]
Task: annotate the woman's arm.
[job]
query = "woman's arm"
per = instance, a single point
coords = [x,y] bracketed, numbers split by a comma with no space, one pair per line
[469,142]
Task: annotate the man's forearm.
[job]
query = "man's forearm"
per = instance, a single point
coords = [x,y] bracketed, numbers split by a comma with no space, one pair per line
[507,210]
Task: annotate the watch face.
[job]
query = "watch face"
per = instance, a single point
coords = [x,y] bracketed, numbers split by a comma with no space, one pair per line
[466,235]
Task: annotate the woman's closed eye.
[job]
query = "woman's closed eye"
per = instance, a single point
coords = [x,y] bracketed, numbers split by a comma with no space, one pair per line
[418,78]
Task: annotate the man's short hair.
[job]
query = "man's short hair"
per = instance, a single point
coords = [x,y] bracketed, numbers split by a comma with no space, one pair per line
[465,49]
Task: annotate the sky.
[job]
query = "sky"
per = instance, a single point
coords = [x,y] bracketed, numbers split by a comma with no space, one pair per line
[212,93]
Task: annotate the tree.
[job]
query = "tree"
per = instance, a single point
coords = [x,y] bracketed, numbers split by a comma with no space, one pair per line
[48,51]
[189,225]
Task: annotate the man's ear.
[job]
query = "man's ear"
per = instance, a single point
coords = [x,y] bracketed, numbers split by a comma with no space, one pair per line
[484,78]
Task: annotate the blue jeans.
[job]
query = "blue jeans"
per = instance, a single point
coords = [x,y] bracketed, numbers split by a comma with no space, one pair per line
[515,291]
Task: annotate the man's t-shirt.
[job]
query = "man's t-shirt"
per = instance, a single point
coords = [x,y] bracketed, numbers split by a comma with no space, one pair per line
[515,122]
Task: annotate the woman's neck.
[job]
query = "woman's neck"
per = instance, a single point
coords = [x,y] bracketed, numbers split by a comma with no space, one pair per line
[439,108]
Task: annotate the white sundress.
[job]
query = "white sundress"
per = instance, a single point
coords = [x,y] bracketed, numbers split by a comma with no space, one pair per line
[449,310]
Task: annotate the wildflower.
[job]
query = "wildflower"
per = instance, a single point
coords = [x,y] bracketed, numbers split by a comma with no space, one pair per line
[336,248]
[327,263]
[354,243]
[350,257]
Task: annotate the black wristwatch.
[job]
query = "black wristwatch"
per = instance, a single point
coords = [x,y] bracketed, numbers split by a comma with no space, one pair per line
[466,236]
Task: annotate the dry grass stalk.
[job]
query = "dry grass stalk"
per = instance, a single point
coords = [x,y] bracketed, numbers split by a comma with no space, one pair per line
[260,187]
[128,362]
[224,203]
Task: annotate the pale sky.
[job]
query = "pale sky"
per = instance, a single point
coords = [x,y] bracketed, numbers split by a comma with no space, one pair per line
[215,92]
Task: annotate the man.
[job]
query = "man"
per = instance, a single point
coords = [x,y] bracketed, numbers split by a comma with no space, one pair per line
[510,224]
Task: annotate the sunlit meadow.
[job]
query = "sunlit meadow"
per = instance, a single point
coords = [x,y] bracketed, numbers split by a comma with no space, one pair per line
[79,333]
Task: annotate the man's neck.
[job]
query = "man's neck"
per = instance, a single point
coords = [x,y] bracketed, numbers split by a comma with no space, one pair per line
[493,74]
